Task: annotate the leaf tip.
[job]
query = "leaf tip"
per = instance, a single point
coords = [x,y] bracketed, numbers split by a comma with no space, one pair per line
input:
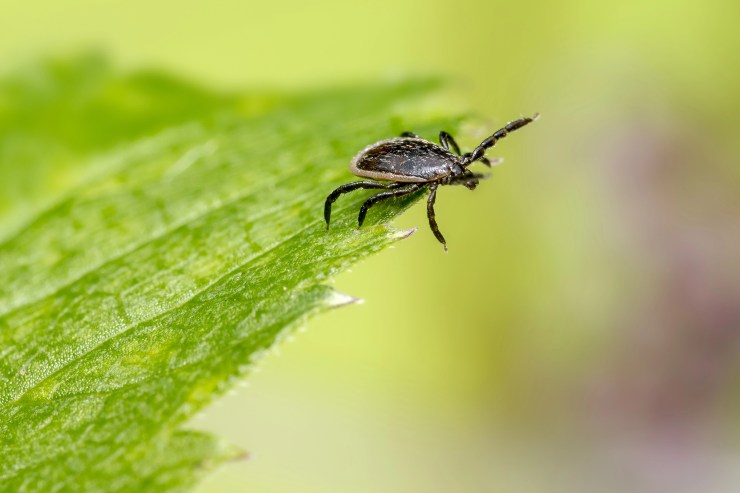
[241,456]
[337,299]
[402,234]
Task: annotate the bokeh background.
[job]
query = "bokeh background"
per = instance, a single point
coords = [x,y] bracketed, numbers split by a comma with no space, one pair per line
[583,332]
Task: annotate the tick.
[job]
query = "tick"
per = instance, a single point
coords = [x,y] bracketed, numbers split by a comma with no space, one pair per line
[410,163]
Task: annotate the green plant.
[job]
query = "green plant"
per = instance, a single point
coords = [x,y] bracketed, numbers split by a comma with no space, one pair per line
[156,238]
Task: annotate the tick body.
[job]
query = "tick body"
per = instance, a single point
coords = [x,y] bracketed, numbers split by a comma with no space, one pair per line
[405,164]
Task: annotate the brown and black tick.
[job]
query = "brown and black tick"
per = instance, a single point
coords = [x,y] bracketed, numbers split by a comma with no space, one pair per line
[411,163]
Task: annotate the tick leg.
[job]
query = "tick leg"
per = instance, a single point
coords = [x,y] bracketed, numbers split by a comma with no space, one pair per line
[498,135]
[447,140]
[385,195]
[409,134]
[482,159]
[349,187]
[430,215]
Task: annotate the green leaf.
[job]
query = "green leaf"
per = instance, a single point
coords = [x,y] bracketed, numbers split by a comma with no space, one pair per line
[158,238]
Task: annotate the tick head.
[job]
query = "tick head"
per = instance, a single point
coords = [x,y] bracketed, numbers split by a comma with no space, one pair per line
[471,183]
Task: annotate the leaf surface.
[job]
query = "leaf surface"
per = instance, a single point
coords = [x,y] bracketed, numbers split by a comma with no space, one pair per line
[160,238]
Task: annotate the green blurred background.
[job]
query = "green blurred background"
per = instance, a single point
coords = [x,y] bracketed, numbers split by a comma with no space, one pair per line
[583,332]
